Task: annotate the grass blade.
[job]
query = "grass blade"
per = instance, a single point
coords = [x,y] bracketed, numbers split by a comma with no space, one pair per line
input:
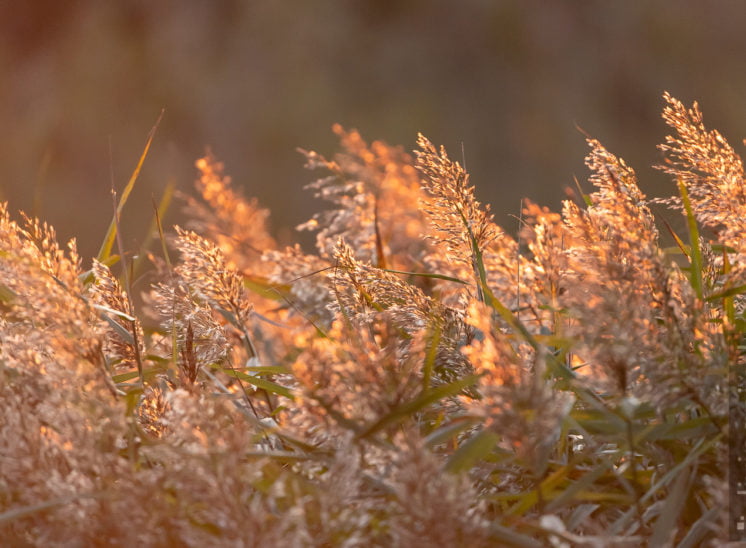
[449,430]
[24,511]
[155,227]
[478,447]
[111,233]
[695,255]
[7,295]
[117,313]
[122,331]
[257,381]
[673,505]
[726,293]
[667,478]
[503,536]
[265,288]
[419,403]
[427,275]
[701,528]
[427,367]
[681,245]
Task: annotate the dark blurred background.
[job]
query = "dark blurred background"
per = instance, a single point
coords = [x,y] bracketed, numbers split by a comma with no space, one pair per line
[253,80]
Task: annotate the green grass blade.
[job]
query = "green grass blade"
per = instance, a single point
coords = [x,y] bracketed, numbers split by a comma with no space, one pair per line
[426,275]
[257,381]
[111,233]
[557,368]
[147,375]
[7,295]
[696,428]
[268,369]
[726,293]
[154,228]
[419,403]
[122,331]
[124,377]
[672,507]
[695,255]
[280,456]
[449,430]
[267,289]
[478,447]
[701,529]
[582,485]
[503,536]
[25,511]
[530,498]
[432,351]
[117,313]
[586,198]
[700,448]
[681,245]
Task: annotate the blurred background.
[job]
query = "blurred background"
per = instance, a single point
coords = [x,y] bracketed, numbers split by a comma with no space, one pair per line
[83,81]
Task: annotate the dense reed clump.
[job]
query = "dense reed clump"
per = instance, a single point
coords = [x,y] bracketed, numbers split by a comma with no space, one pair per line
[423,379]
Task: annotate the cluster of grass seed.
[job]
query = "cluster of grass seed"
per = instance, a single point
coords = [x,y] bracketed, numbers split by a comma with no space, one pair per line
[423,379]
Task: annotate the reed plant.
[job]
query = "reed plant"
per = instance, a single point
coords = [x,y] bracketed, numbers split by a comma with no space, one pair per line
[424,378]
